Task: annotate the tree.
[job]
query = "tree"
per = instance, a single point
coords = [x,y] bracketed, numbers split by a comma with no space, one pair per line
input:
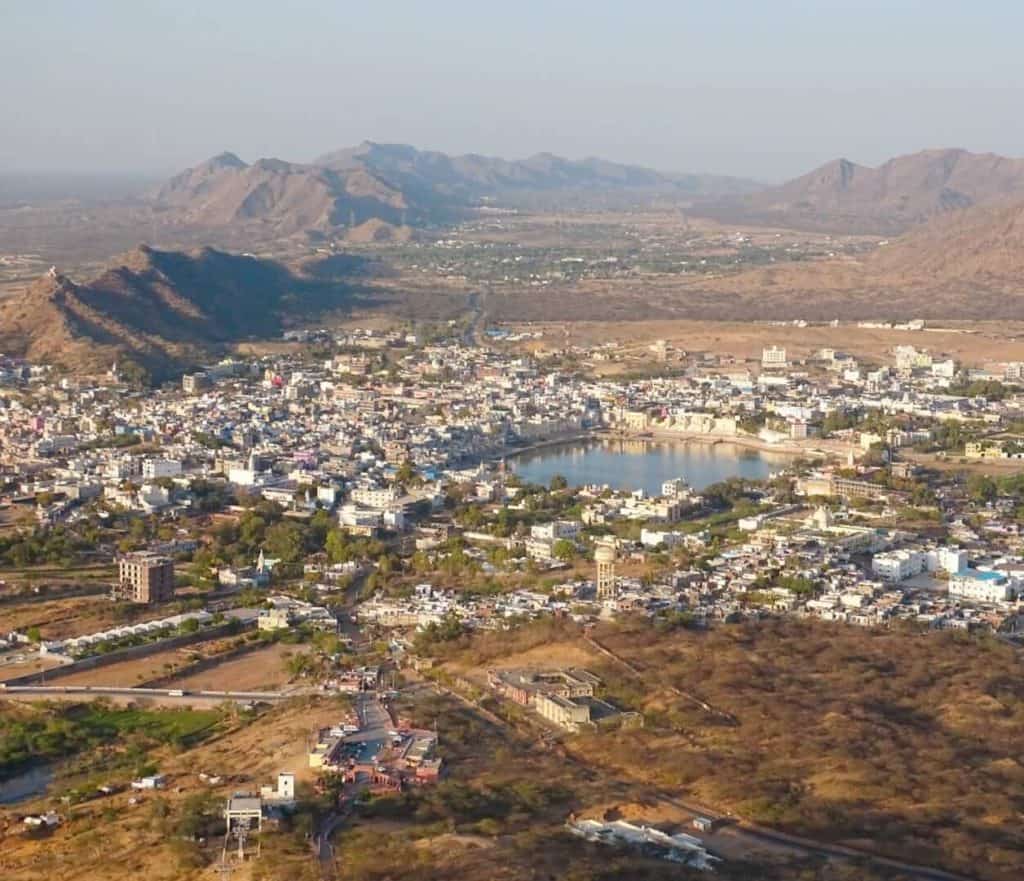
[558,483]
[319,526]
[406,473]
[982,488]
[338,547]
[284,542]
[564,550]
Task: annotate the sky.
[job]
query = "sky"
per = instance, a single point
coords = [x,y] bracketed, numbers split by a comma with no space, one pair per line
[766,89]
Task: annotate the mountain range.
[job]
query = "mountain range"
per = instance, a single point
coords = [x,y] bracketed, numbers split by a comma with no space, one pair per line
[378,191]
[395,187]
[960,254]
[844,197]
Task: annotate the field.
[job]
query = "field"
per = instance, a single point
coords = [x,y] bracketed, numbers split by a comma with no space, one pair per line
[259,670]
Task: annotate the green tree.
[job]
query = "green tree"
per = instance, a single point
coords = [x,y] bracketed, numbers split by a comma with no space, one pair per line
[982,488]
[284,541]
[338,546]
[564,550]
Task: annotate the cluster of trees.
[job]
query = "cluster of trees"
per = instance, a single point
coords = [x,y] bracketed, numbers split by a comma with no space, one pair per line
[991,389]
[264,527]
[66,730]
[435,634]
[59,545]
[983,489]
[458,804]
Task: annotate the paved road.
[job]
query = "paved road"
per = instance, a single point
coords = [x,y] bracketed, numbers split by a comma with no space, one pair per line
[476,313]
[160,695]
[374,724]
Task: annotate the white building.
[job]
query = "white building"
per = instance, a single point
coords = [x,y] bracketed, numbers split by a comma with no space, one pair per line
[555,530]
[283,793]
[983,586]
[773,356]
[156,468]
[677,486]
[374,497]
[951,560]
[898,565]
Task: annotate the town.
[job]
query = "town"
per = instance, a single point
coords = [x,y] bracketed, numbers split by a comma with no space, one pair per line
[358,507]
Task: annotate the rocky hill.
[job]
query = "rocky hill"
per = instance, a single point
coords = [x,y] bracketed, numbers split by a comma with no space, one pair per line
[159,311]
[844,197]
[284,198]
[968,264]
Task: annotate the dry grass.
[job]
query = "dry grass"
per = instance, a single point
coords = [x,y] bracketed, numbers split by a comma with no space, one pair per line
[262,669]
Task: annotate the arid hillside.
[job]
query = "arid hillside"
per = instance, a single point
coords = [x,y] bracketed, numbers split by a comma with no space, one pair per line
[287,198]
[968,264]
[159,310]
[844,197]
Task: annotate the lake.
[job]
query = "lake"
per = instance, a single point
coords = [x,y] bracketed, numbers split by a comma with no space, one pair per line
[29,784]
[642,464]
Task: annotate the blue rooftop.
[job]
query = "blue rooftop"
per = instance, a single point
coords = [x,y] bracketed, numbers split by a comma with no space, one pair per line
[983,576]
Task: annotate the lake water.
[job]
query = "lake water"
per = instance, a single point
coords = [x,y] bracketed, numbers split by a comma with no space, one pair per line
[632,465]
[28,784]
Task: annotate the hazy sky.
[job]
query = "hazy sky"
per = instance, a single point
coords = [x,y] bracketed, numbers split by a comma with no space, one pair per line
[762,88]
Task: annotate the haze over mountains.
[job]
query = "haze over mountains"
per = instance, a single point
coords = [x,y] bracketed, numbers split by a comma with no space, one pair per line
[844,197]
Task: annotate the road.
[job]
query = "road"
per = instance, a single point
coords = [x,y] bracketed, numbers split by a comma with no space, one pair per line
[322,845]
[374,724]
[476,313]
[163,696]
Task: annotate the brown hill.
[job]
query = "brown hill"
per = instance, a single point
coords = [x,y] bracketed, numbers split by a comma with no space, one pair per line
[159,310]
[968,264]
[284,198]
[845,197]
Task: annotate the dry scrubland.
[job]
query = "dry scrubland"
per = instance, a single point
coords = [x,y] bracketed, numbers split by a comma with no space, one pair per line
[910,741]
[500,814]
[73,616]
[906,743]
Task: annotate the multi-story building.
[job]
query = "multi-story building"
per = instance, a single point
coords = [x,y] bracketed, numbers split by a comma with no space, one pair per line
[152,469]
[374,497]
[773,356]
[983,586]
[898,565]
[194,383]
[145,578]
